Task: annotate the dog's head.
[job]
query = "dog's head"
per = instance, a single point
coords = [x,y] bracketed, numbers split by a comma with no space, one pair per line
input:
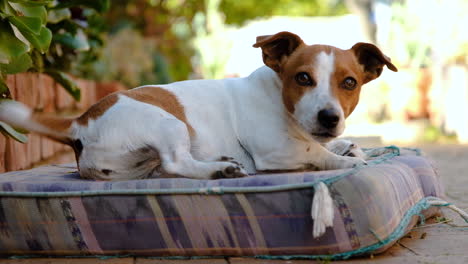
[321,84]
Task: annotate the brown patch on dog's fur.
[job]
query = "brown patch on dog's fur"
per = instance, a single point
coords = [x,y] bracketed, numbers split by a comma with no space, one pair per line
[98,109]
[302,60]
[151,95]
[161,98]
[346,65]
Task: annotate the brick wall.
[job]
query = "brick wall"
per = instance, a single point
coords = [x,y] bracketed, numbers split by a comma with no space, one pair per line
[41,93]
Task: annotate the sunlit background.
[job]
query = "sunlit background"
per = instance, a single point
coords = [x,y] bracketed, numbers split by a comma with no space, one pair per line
[159,41]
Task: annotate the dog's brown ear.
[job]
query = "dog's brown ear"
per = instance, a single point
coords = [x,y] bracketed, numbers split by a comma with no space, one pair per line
[275,47]
[372,60]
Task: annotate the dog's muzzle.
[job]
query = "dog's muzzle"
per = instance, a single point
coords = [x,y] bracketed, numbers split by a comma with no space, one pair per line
[328,119]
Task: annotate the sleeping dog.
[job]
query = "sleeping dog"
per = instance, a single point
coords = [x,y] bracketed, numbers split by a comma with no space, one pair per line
[281,117]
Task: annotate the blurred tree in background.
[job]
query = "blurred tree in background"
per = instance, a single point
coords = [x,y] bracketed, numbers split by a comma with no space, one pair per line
[167,24]
[237,12]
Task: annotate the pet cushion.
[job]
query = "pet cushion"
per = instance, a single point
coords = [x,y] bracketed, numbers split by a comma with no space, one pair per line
[50,210]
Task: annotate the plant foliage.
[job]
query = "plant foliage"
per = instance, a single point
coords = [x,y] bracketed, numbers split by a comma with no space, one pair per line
[238,12]
[47,36]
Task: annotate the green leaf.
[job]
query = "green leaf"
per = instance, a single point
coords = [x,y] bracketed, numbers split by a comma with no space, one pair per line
[56,15]
[42,41]
[19,64]
[30,24]
[22,9]
[98,5]
[77,42]
[6,10]
[37,60]
[66,82]
[10,46]
[32,3]
[3,9]
[7,130]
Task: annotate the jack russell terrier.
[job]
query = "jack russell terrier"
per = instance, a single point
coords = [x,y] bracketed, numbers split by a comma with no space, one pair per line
[283,116]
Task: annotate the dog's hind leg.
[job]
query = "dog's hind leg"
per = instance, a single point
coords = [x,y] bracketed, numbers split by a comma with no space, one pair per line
[177,159]
[160,148]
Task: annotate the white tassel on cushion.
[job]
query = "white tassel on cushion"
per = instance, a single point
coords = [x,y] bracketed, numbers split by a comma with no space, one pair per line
[435,201]
[322,210]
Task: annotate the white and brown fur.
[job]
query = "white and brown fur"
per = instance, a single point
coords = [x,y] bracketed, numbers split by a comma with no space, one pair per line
[205,129]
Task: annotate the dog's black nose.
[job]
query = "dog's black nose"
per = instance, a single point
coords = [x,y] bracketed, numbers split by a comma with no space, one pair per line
[328,118]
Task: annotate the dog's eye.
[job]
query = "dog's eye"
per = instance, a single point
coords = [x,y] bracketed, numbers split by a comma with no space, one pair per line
[349,83]
[304,79]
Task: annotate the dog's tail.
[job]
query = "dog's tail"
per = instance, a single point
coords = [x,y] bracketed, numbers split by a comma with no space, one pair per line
[20,116]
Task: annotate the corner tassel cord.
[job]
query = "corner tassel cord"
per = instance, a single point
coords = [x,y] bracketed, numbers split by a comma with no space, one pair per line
[322,210]
[434,201]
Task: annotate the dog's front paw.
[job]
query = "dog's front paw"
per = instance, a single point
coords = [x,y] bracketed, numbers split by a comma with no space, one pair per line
[344,147]
[233,169]
[352,162]
[342,162]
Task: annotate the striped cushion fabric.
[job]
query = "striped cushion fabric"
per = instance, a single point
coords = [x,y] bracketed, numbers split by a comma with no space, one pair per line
[50,210]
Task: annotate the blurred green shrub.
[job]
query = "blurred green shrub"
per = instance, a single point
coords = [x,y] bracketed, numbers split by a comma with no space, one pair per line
[22,30]
[77,28]
[169,23]
[237,12]
[130,58]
